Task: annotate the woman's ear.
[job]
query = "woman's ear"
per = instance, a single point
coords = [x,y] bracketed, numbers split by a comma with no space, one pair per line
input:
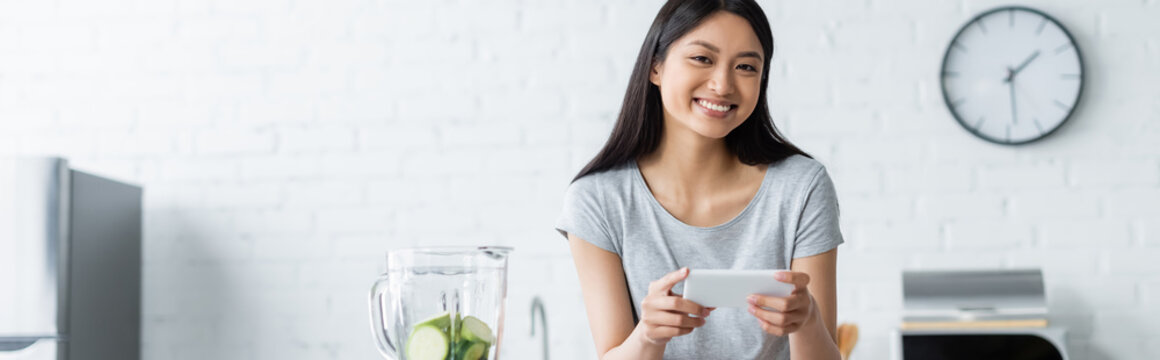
[654,75]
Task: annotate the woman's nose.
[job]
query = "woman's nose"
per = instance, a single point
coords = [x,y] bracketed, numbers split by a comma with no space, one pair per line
[721,82]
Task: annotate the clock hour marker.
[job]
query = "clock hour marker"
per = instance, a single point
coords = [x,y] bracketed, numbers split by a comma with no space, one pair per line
[1069,76]
[1062,48]
[958,102]
[982,27]
[1008,132]
[1041,26]
[950,73]
[1061,105]
[1011,16]
[979,123]
[1037,126]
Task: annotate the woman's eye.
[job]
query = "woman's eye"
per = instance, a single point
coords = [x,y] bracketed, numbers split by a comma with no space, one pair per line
[747,67]
[701,59]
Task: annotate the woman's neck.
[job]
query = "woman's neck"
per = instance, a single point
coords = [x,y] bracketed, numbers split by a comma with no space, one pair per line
[689,162]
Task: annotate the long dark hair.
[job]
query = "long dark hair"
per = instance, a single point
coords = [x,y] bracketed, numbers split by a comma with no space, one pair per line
[639,127]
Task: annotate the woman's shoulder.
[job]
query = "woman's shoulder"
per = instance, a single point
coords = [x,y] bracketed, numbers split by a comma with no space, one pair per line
[797,177]
[613,180]
[798,167]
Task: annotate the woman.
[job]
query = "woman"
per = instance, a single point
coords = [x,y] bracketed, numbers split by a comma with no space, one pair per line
[694,175]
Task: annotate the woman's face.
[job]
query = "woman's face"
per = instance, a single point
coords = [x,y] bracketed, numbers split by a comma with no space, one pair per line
[711,78]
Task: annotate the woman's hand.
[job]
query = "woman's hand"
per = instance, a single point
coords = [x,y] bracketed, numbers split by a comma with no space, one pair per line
[667,316]
[789,313]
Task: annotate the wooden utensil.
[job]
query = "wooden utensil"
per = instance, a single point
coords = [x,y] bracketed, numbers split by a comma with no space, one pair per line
[847,337]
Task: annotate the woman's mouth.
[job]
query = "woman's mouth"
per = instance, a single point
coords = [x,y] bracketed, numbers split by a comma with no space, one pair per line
[714,109]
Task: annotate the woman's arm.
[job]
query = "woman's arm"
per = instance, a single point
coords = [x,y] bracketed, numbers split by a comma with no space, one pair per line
[607,301]
[817,338]
[609,307]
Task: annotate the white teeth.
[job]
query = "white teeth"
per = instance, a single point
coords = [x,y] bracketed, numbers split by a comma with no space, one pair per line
[712,106]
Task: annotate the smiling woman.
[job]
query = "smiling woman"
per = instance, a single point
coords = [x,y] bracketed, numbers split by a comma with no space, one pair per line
[694,175]
[638,128]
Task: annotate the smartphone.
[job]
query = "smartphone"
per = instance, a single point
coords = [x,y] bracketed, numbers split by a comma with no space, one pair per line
[731,288]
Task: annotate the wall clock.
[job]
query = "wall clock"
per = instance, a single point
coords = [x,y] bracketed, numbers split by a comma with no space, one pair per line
[1012,75]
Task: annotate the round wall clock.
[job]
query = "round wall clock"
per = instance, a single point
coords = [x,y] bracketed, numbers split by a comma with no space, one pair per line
[1012,75]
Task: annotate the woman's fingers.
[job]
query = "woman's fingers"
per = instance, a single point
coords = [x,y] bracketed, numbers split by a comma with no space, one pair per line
[772,302]
[681,305]
[797,278]
[778,323]
[666,283]
[772,317]
[675,304]
[665,318]
[777,330]
[784,304]
[783,315]
[770,328]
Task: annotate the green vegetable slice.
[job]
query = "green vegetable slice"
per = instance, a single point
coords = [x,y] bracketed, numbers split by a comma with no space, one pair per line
[428,342]
[473,350]
[441,321]
[474,329]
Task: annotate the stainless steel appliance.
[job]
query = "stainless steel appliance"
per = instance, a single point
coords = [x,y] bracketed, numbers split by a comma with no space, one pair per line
[976,314]
[70,263]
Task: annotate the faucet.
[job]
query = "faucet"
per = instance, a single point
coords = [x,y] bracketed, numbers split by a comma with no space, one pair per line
[538,307]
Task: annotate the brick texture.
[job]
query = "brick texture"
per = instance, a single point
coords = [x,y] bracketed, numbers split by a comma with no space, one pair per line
[285,145]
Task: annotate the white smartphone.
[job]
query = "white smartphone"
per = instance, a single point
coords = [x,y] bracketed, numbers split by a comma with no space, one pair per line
[731,288]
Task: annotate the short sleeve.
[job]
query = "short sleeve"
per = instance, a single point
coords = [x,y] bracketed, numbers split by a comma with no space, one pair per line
[818,228]
[584,216]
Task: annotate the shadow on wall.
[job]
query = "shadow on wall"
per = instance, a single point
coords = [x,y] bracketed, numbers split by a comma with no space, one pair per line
[194,307]
[1070,310]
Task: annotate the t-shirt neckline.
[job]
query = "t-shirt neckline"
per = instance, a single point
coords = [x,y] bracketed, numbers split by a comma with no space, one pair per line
[656,204]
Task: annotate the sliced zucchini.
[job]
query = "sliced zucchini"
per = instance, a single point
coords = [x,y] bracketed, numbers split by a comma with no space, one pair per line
[476,330]
[428,342]
[441,321]
[472,350]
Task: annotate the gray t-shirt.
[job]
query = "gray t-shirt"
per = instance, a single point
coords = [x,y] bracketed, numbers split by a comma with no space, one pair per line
[794,214]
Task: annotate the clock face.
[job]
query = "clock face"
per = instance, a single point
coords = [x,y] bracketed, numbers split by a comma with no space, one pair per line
[1012,75]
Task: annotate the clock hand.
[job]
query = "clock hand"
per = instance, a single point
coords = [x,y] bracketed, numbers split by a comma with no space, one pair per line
[1011,88]
[1024,64]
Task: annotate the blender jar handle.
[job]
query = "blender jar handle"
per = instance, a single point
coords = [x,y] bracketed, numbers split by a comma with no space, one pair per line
[379,324]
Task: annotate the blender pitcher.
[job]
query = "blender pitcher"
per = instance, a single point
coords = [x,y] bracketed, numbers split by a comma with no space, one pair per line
[439,303]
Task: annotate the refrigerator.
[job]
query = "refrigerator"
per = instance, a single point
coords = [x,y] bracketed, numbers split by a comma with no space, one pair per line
[70,263]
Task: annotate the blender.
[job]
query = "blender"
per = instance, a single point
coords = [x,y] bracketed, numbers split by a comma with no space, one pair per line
[437,303]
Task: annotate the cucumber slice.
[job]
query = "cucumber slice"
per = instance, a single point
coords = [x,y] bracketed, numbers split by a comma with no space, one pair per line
[486,348]
[476,330]
[428,342]
[473,350]
[441,321]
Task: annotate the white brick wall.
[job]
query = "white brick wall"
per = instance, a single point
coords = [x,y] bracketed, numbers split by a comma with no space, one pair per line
[285,145]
